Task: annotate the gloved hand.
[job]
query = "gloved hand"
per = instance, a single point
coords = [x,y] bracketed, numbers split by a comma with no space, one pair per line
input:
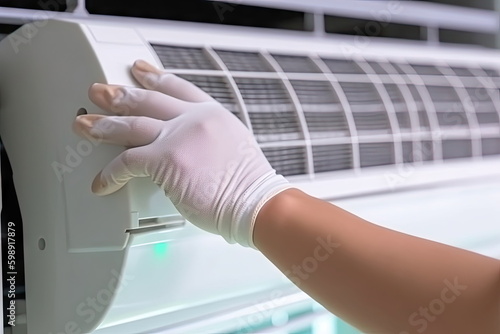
[201,155]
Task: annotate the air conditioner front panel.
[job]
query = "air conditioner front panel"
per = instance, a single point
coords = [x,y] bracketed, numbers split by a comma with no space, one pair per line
[344,122]
[174,275]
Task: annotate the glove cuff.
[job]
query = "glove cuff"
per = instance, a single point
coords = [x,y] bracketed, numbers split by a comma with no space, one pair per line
[250,204]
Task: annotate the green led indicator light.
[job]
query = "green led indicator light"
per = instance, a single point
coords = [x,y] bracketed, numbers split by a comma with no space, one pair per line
[161,249]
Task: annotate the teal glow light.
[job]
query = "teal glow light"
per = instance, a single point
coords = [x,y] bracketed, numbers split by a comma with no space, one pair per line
[161,249]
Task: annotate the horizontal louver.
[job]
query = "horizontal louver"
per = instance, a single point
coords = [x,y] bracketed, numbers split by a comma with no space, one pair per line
[362,96]
[402,68]
[491,72]
[483,105]
[426,69]
[287,161]
[243,61]
[400,107]
[322,110]
[378,67]
[343,66]
[329,158]
[218,88]
[462,71]
[296,64]
[423,118]
[270,109]
[372,122]
[376,154]
[369,113]
[183,57]
[449,107]
[326,125]
[451,118]
[345,118]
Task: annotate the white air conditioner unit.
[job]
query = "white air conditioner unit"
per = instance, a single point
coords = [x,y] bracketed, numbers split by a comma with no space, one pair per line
[403,134]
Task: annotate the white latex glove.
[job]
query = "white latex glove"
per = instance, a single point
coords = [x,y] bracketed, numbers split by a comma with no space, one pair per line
[201,155]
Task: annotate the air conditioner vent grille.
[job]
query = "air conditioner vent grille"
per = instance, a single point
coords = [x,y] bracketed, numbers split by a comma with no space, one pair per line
[362,96]
[491,146]
[449,108]
[315,92]
[457,148]
[243,61]
[462,71]
[317,114]
[395,95]
[487,117]
[480,100]
[175,57]
[451,118]
[491,72]
[494,75]
[287,161]
[426,70]
[408,152]
[323,112]
[264,92]
[376,154]
[372,122]
[403,120]
[400,68]
[270,109]
[368,111]
[400,107]
[326,125]
[329,158]
[218,88]
[296,64]
[423,118]
[426,150]
[275,126]
[343,66]
[377,67]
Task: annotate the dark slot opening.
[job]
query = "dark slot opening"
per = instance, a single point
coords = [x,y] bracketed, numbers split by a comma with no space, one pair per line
[50,5]
[465,3]
[371,28]
[467,37]
[6,29]
[202,11]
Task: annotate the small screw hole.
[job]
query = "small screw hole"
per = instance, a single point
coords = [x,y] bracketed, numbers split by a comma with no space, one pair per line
[41,244]
[81,111]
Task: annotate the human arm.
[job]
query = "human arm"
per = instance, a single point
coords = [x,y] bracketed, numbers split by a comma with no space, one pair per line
[379,280]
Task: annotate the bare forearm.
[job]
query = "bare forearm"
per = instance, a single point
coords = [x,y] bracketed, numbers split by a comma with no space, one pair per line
[379,280]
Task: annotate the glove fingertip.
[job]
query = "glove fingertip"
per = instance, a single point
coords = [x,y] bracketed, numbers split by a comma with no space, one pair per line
[101,188]
[97,185]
